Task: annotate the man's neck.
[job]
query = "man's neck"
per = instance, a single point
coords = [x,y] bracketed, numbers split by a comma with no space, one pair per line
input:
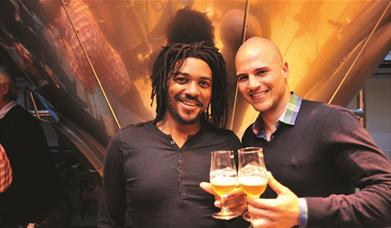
[179,132]
[271,117]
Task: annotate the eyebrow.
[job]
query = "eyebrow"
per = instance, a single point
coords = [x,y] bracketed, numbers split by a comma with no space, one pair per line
[188,75]
[255,70]
[242,74]
[261,68]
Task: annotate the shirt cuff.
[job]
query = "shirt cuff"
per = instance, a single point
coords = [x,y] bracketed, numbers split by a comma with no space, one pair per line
[303,213]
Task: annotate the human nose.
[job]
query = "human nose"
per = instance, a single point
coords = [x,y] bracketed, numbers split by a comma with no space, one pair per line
[193,89]
[253,82]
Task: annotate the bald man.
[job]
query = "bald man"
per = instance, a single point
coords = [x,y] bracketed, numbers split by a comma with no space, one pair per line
[319,153]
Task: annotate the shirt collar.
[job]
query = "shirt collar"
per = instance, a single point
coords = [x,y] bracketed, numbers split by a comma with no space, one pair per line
[287,117]
[6,108]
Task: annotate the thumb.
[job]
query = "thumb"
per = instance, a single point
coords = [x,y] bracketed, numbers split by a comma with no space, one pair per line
[207,187]
[275,185]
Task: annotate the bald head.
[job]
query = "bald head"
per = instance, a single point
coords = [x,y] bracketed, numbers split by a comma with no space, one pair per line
[262,76]
[260,48]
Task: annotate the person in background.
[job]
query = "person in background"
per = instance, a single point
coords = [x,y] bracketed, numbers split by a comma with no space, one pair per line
[5,170]
[35,194]
[153,169]
[319,153]
[190,26]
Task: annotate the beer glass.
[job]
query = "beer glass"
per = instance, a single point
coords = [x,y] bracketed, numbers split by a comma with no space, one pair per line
[223,177]
[252,173]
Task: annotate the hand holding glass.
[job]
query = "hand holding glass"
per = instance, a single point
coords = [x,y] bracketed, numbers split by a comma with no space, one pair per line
[223,177]
[252,173]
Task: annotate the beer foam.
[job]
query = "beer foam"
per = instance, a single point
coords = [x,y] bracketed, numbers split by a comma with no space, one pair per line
[252,181]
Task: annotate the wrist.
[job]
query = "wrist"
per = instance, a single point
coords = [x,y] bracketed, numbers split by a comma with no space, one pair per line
[303,213]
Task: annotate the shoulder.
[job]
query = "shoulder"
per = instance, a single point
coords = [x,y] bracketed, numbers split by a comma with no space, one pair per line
[220,132]
[219,138]
[248,135]
[19,112]
[19,117]
[325,111]
[133,131]
[136,128]
[330,119]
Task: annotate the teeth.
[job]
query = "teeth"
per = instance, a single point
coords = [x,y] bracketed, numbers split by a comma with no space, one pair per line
[258,94]
[189,103]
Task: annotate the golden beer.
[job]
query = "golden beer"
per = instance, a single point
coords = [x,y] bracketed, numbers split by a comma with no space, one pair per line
[253,186]
[223,186]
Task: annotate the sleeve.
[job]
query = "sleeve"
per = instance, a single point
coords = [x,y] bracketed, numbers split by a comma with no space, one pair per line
[111,212]
[365,166]
[5,171]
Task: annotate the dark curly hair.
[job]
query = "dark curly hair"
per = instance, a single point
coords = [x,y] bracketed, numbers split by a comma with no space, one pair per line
[189,26]
[169,61]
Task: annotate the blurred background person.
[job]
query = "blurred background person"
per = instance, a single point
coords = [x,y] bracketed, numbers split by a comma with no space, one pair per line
[36,194]
[5,170]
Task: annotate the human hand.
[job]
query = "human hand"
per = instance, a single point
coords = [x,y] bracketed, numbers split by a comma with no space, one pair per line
[235,200]
[282,211]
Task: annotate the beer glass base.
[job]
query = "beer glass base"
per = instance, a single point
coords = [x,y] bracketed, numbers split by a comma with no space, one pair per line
[225,215]
[246,216]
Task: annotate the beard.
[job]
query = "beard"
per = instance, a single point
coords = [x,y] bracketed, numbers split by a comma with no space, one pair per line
[175,114]
[182,118]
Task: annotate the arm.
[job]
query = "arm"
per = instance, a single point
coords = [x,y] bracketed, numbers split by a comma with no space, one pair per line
[6,171]
[364,166]
[112,201]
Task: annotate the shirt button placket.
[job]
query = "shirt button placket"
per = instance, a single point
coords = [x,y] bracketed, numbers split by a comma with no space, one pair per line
[180,172]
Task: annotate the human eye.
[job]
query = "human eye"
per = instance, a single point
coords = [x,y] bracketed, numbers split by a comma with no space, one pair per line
[261,72]
[205,83]
[180,79]
[242,77]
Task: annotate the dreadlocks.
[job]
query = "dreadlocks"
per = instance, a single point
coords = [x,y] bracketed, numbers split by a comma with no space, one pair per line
[168,63]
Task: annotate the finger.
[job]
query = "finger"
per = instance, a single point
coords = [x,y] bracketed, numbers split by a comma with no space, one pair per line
[267,204]
[231,200]
[207,187]
[260,213]
[260,223]
[275,185]
[236,193]
[239,203]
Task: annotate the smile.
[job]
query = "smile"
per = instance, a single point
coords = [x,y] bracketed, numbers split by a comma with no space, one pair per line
[189,102]
[258,94]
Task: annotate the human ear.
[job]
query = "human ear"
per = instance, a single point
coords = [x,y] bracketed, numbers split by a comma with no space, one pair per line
[285,70]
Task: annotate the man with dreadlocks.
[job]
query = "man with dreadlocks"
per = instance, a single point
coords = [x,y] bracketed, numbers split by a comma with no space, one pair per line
[153,169]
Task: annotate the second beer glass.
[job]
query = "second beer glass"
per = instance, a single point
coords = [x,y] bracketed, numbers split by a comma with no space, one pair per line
[252,173]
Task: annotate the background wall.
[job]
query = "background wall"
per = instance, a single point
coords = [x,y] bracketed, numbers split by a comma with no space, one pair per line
[378,98]
[378,105]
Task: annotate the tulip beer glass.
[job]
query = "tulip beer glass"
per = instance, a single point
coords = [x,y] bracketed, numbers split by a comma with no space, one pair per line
[223,177]
[252,173]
